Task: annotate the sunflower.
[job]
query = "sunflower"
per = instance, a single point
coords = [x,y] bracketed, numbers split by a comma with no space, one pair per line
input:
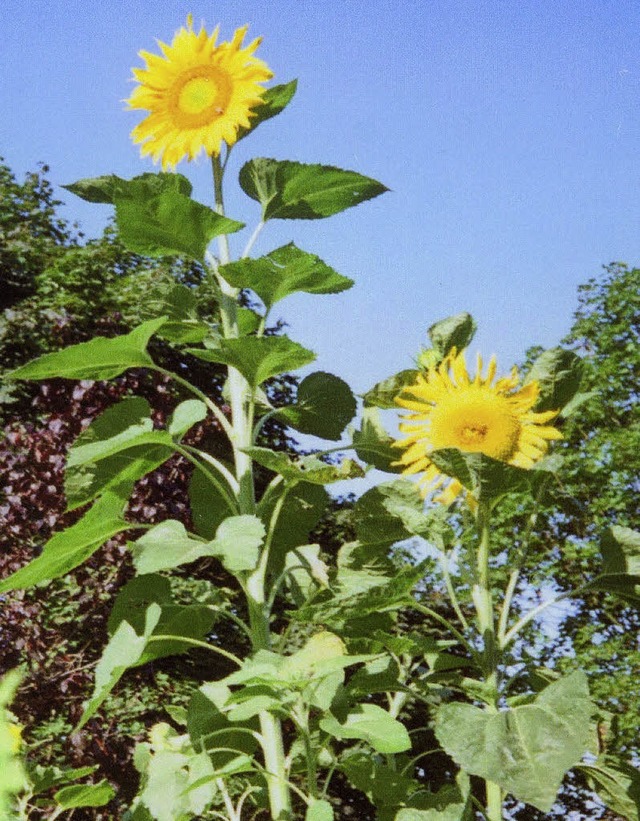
[449,409]
[198,95]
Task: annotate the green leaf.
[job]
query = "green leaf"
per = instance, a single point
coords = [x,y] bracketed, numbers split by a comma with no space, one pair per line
[282,272]
[453,332]
[209,505]
[302,509]
[374,445]
[306,468]
[620,548]
[305,572]
[73,546]
[623,585]
[293,190]
[237,543]
[124,650]
[83,482]
[372,724]
[100,358]
[96,189]
[274,101]
[383,395]
[526,750]
[210,729]
[617,783]
[192,621]
[558,372]
[167,223]
[179,304]
[319,810]
[84,795]
[186,415]
[105,188]
[165,546]
[488,479]
[384,786]
[324,406]
[258,358]
[390,513]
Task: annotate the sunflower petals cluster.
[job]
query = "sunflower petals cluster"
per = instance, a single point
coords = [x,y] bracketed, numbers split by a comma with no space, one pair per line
[481,414]
[198,93]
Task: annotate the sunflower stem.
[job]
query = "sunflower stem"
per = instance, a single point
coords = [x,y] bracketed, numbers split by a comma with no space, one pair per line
[242,414]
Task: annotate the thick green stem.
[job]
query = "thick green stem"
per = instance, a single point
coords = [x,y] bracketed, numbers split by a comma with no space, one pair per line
[483,600]
[240,397]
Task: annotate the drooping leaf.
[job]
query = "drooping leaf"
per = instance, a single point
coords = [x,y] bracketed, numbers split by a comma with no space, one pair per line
[100,358]
[617,783]
[293,190]
[526,750]
[383,395]
[558,372]
[274,101]
[374,445]
[371,724]
[124,650]
[237,543]
[625,586]
[324,406]
[306,468]
[165,546]
[258,358]
[282,272]
[86,480]
[84,795]
[73,546]
[453,332]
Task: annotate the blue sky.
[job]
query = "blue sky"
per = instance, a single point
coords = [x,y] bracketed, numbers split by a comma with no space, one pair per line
[508,133]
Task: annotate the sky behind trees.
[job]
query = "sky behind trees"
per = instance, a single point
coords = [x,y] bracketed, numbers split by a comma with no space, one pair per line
[508,133]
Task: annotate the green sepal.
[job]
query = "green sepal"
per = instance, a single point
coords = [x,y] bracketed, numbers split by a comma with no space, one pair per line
[71,547]
[526,750]
[324,406]
[284,271]
[100,358]
[258,358]
[486,478]
[293,190]
[274,101]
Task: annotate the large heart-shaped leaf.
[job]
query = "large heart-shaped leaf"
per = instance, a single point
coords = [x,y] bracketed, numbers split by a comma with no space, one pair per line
[282,272]
[258,358]
[526,750]
[293,190]
[324,406]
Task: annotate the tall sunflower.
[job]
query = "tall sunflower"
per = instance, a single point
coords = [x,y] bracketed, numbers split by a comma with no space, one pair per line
[198,94]
[450,409]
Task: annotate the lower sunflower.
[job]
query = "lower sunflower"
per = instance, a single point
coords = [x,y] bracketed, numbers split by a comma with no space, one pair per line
[450,409]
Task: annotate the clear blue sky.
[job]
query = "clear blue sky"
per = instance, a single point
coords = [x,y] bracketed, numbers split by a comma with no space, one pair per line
[509,133]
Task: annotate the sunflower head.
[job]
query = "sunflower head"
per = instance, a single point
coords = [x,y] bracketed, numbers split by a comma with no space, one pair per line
[479,414]
[198,94]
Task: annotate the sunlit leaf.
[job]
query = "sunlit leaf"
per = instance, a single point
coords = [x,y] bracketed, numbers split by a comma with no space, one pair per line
[372,724]
[293,190]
